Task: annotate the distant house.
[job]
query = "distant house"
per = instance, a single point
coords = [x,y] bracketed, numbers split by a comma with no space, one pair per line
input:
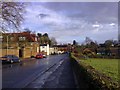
[53,50]
[113,51]
[58,49]
[44,48]
[101,51]
[22,44]
[62,48]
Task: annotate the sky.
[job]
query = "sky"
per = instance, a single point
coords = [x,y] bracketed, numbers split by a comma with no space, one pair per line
[68,21]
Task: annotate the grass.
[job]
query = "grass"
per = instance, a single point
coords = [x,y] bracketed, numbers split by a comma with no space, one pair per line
[106,66]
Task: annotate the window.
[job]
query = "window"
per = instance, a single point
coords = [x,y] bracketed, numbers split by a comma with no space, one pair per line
[11,38]
[22,38]
[35,39]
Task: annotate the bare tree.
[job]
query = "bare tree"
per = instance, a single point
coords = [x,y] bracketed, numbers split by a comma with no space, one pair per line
[88,40]
[27,30]
[11,15]
[53,41]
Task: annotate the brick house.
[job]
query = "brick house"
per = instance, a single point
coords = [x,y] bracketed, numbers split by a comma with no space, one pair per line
[22,44]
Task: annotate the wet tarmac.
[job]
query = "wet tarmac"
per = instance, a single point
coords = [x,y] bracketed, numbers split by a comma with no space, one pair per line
[52,72]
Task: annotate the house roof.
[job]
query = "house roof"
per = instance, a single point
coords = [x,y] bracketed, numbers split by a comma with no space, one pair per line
[29,36]
[43,44]
[59,45]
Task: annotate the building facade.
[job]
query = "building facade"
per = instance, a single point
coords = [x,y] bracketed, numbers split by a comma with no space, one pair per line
[44,48]
[22,44]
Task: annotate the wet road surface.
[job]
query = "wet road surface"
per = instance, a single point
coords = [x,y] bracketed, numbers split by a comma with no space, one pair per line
[51,72]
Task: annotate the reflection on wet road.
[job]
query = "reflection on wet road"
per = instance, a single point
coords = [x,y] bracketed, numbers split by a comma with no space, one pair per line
[39,73]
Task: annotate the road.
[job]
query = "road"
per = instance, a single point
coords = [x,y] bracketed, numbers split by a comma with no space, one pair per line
[52,72]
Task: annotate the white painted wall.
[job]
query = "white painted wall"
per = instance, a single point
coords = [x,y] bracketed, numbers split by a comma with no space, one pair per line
[48,49]
[51,49]
[45,49]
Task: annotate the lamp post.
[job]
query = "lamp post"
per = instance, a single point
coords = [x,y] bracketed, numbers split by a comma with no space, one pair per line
[31,48]
[7,44]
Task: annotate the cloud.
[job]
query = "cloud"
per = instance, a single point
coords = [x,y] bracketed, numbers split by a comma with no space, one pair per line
[68,21]
[112,24]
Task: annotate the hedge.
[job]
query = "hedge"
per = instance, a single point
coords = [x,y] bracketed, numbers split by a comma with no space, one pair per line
[92,77]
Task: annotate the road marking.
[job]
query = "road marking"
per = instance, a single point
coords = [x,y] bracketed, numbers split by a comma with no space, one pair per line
[42,77]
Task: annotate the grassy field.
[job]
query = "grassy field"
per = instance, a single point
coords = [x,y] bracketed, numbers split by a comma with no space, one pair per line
[106,66]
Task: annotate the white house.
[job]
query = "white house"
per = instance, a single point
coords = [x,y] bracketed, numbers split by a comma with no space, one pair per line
[44,48]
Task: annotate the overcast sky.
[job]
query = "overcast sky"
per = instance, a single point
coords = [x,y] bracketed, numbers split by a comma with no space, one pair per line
[68,21]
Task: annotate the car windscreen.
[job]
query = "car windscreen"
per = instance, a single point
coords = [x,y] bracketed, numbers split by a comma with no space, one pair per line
[7,56]
[10,56]
[14,56]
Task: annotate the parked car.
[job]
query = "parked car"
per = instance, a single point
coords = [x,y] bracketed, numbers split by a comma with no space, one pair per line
[10,59]
[44,56]
[39,56]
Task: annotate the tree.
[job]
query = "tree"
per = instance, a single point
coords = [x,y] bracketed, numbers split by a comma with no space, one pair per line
[46,38]
[93,46]
[27,30]
[43,39]
[88,40]
[88,52]
[46,35]
[74,42]
[11,15]
[40,38]
[53,41]
[108,44]
[39,35]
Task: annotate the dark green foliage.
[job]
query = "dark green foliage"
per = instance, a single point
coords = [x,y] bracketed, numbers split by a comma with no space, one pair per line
[44,39]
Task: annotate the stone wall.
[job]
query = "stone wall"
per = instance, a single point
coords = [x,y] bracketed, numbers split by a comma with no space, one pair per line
[9,52]
[28,52]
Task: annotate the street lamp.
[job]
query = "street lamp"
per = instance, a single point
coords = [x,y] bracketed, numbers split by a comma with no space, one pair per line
[7,45]
[31,49]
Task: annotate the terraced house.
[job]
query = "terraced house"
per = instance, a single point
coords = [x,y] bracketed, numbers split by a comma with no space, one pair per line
[22,44]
